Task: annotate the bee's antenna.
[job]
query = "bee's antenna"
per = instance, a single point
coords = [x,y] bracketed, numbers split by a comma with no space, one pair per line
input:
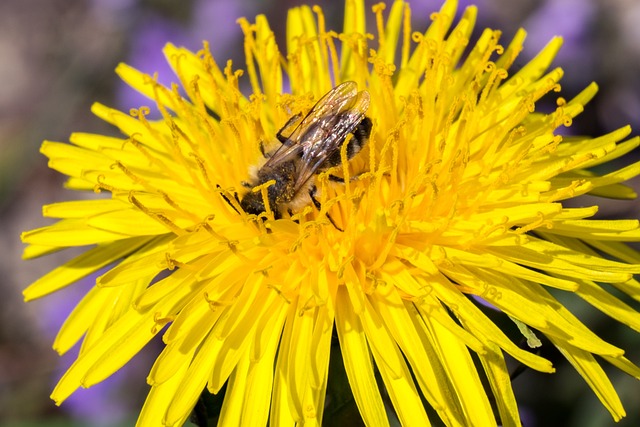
[224,196]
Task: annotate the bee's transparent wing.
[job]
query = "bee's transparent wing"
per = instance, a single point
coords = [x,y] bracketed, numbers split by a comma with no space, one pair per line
[301,140]
[326,134]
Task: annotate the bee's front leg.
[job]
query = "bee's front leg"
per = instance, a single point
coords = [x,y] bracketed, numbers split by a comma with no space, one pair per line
[286,127]
[226,199]
[263,151]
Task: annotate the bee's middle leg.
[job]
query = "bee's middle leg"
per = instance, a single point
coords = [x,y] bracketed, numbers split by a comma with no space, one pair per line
[312,194]
[263,151]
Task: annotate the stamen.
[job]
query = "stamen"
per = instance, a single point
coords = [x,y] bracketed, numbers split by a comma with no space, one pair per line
[250,50]
[263,189]
[384,252]
[161,218]
[153,160]
[217,304]
[568,192]
[346,263]
[206,226]
[156,136]
[101,185]
[333,55]
[406,36]
[231,244]
[130,174]
[279,292]
[540,222]
[377,9]
[204,173]
[310,304]
[322,73]
[160,322]
[344,159]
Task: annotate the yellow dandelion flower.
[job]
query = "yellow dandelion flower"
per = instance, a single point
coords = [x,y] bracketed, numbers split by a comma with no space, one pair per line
[458,195]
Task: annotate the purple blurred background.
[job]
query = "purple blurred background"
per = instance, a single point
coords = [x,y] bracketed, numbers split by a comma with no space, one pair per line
[58,58]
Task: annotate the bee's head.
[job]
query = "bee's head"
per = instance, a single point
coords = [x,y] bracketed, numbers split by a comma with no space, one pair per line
[253,204]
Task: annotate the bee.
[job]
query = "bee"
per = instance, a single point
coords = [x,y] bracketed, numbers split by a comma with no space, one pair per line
[312,147]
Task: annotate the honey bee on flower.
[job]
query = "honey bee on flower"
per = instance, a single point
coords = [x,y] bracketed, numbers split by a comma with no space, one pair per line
[464,200]
[310,146]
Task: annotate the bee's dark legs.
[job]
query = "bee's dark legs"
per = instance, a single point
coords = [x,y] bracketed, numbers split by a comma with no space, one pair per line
[264,153]
[341,180]
[281,137]
[291,214]
[312,193]
[316,203]
[286,126]
[235,196]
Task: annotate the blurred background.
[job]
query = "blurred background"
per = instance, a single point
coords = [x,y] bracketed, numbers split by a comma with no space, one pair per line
[57,57]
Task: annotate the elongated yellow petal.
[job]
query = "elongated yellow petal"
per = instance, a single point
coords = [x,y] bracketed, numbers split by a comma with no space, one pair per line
[594,375]
[81,266]
[500,382]
[357,363]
